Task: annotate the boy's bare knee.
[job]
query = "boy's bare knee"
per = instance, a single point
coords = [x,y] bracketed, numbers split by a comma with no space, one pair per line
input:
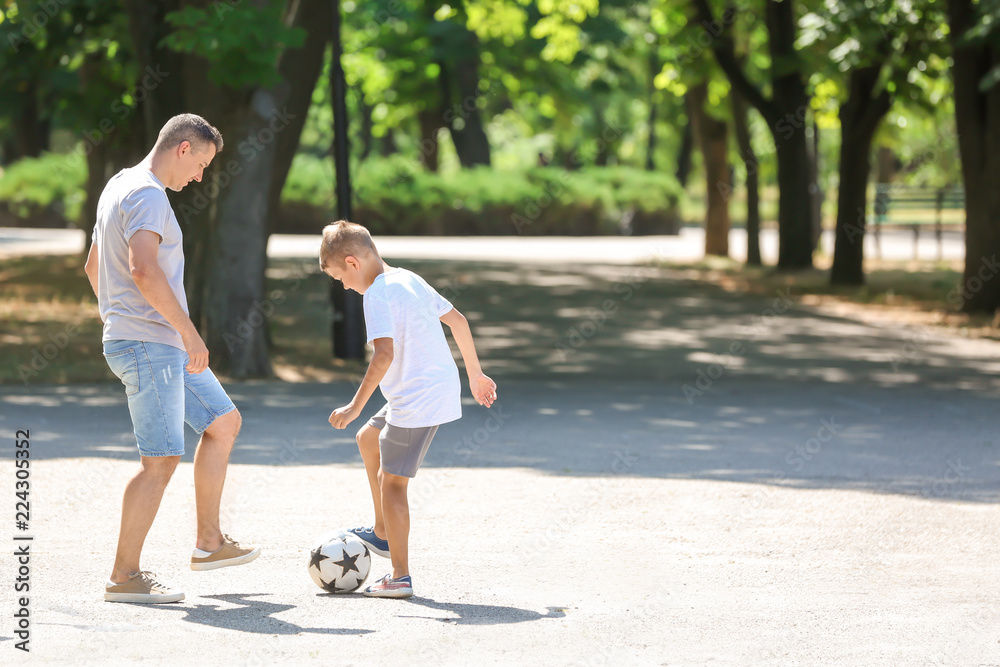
[392,482]
[367,438]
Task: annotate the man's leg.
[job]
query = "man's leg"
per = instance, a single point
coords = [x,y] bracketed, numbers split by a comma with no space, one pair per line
[368,446]
[211,460]
[396,511]
[139,505]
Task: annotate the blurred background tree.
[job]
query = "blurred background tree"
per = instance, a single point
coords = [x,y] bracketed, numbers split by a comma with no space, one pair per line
[506,117]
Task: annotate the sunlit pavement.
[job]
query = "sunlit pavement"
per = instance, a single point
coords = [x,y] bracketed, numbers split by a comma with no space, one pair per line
[683,476]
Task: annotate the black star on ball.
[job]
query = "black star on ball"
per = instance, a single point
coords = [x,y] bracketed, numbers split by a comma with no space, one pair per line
[348,563]
[316,557]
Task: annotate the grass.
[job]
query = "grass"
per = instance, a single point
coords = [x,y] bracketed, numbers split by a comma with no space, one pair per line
[911,292]
[51,332]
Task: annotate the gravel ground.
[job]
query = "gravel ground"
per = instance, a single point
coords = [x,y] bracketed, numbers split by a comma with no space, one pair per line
[827,496]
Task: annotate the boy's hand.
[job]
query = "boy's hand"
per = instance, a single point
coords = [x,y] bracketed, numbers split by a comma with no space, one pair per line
[341,417]
[484,390]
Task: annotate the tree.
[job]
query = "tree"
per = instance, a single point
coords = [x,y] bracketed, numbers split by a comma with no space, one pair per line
[785,113]
[975,40]
[887,50]
[226,60]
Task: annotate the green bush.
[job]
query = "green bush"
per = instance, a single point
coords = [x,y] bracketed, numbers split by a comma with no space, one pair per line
[50,184]
[395,196]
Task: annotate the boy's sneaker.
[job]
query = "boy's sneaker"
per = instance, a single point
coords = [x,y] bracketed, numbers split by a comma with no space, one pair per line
[371,540]
[387,587]
[230,553]
[142,588]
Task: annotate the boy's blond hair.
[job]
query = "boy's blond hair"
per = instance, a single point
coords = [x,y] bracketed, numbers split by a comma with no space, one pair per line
[343,238]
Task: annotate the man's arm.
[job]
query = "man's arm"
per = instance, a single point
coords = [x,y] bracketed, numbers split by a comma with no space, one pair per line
[484,390]
[152,283]
[90,268]
[377,367]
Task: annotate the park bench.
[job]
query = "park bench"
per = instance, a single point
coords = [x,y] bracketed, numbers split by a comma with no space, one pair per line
[900,206]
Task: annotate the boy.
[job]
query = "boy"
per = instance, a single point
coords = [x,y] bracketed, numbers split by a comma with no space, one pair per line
[413,366]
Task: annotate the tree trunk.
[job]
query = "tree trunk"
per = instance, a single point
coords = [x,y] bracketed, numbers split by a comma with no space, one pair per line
[752,166]
[977,117]
[430,123]
[654,69]
[785,114]
[860,116]
[365,113]
[387,144]
[815,193]
[712,136]
[300,69]
[236,311]
[462,116]
[30,132]
[685,151]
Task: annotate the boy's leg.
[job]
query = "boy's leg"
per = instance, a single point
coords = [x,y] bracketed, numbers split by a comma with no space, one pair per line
[368,446]
[396,511]
[139,506]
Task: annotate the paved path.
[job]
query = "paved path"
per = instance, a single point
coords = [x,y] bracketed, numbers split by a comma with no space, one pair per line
[688,246]
[673,475]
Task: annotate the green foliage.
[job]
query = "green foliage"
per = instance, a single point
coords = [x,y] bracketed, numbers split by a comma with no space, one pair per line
[51,183]
[394,197]
[242,43]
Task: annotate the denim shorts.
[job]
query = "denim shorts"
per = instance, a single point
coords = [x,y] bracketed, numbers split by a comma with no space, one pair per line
[401,450]
[162,395]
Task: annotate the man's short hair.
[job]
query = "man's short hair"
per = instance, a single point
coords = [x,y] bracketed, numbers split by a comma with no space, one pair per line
[343,238]
[191,128]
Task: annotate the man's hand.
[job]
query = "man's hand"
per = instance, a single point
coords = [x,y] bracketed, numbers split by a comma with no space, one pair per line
[197,352]
[484,390]
[341,417]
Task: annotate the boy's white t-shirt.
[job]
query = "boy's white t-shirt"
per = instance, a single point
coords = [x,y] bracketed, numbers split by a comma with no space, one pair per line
[422,385]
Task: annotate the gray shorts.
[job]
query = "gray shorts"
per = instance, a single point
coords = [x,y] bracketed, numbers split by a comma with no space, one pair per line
[401,450]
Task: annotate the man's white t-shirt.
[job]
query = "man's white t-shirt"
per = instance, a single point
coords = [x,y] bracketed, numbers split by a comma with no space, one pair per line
[134,199]
[422,385]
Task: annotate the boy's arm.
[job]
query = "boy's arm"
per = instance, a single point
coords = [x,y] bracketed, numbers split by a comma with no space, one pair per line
[484,390]
[377,367]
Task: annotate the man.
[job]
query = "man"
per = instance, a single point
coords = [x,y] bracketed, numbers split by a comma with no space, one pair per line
[136,267]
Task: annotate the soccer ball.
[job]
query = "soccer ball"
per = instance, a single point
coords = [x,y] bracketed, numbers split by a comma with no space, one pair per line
[340,563]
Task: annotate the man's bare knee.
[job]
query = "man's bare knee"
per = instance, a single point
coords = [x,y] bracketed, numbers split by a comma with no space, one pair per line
[226,427]
[159,467]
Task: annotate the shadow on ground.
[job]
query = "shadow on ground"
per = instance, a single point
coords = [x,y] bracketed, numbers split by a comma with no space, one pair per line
[633,371]
[481,614]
